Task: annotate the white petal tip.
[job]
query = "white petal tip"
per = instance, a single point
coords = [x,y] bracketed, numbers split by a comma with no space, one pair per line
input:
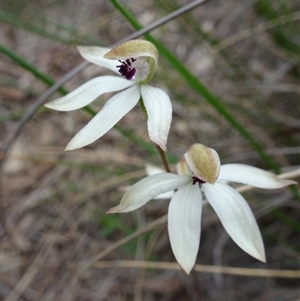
[111,210]
[67,149]
[76,143]
[70,147]
[50,106]
[59,106]
[119,209]
[186,271]
[280,183]
[263,259]
[288,182]
[260,257]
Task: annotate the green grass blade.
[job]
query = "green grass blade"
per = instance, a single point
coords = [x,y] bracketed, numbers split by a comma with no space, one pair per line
[281,34]
[286,219]
[29,67]
[11,19]
[41,31]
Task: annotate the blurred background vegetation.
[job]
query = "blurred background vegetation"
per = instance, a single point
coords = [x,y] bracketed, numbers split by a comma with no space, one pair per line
[232,71]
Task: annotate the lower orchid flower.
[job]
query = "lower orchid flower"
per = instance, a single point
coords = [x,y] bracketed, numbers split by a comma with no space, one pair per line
[136,62]
[202,173]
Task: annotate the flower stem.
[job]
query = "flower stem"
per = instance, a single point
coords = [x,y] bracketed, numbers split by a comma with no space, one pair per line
[163,158]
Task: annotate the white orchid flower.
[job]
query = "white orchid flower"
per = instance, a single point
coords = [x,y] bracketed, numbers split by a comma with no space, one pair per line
[203,173]
[136,62]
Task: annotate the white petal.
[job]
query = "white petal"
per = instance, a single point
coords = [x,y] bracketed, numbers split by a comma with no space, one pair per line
[246,174]
[153,170]
[159,110]
[147,189]
[165,196]
[111,113]
[236,217]
[95,55]
[184,225]
[88,92]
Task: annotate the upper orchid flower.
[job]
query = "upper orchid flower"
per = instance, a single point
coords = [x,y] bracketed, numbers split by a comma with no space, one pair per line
[136,62]
[201,172]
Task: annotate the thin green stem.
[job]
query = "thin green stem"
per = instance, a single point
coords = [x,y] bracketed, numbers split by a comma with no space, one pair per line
[163,158]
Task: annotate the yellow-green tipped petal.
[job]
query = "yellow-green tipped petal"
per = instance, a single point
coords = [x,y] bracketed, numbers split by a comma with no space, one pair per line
[204,162]
[136,49]
[133,48]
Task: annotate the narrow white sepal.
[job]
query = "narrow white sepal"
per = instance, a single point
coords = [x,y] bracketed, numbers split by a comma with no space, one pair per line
[250,175]
[184,225]
[95,55]
[88,92]
[111,113]
[159,110]
[236,217]
[147,189]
